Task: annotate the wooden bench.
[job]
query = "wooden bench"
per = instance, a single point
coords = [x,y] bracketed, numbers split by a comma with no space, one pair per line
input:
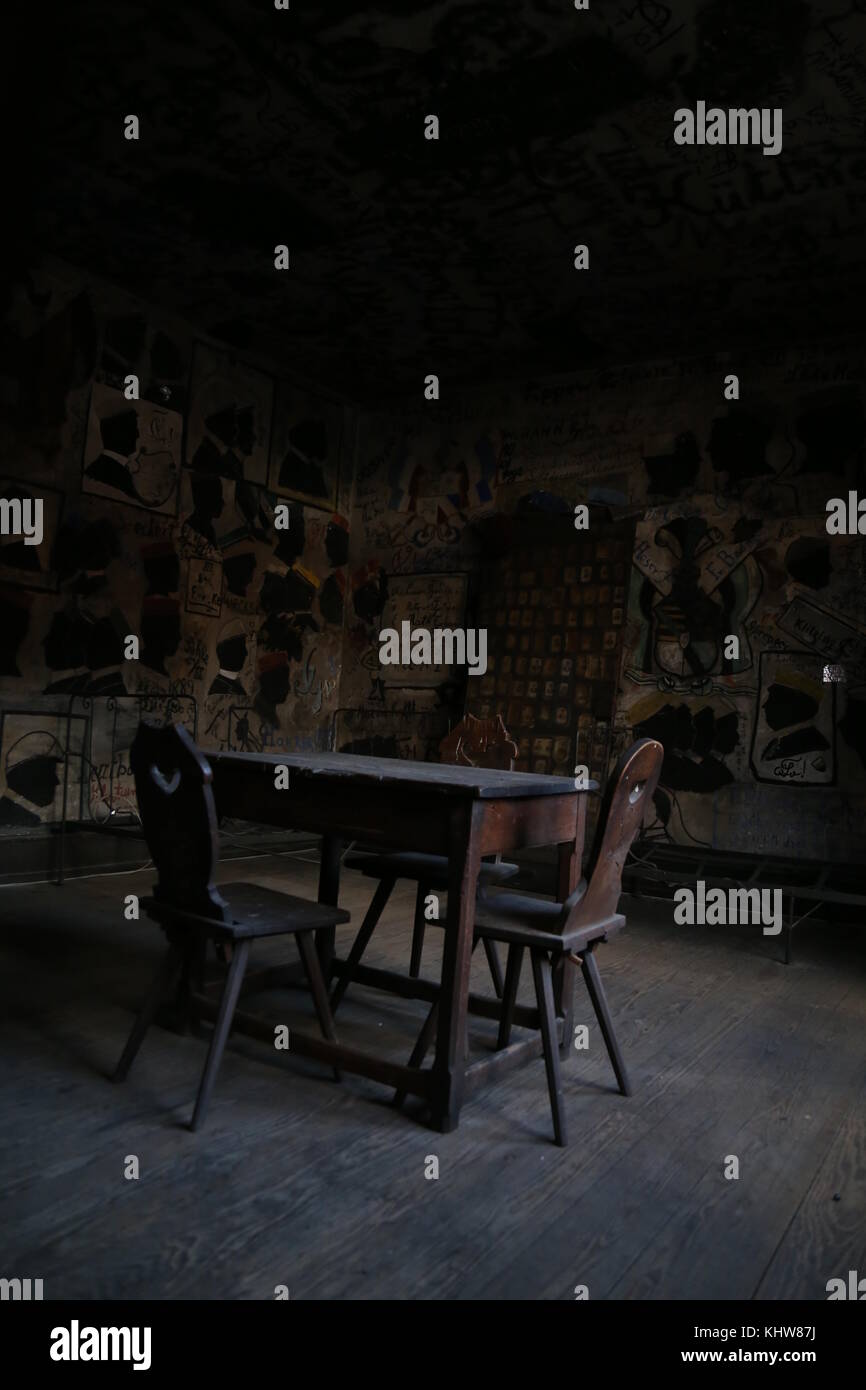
[799,880]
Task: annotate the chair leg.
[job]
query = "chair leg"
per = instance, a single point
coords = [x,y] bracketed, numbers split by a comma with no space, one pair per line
[197,982]
[318,989]
[359,945]
[169,968]
[186,1014]
[563,996]
[509,995]
[234,980]
[599,1002]
[495,966]
[418,932]
[541,970]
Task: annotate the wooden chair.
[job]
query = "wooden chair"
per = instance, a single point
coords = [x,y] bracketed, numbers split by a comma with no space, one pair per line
[573,929]
[471,743]
[176,805]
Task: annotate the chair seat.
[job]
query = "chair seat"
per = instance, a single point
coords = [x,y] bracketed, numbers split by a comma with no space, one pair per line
[256,911]
[431,869]
[518,919]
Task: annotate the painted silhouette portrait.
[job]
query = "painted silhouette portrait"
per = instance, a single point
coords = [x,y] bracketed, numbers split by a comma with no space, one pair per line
[229,417]
[302,467]
[31,767]
[808,561]
[249,502]
[208,504]
[119,435]
[289,596]
[82,552]
[89,650]
[274,680]
[65,642]
[129,345]
[831,427]
[331,598]
[238,571]
[306,445]
[232,441]
[337,541]
[160,632]
[232,651]
[738,446]
[290,543]
[370,592]
[161,564]
[285,632]
[132,451]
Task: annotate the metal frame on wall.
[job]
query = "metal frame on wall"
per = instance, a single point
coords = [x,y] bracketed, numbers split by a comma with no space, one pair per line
[166,705]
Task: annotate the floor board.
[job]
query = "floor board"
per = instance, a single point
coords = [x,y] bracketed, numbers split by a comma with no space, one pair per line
[299,1181]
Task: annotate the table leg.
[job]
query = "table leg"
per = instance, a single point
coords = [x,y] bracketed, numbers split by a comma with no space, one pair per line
[329,892]
[449,1068]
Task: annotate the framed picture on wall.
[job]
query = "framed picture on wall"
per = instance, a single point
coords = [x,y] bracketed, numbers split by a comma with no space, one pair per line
[132,451]
[229,425]
[159,355]
[37,749]
[794,734]
[305,447]
[428,602]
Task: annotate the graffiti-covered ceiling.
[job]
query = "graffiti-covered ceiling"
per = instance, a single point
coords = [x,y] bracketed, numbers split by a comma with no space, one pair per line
[305,126]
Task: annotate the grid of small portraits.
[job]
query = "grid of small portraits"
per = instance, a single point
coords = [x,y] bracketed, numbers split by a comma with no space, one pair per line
[554,617]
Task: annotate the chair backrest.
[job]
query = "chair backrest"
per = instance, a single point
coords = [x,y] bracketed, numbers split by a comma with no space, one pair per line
[479,743]
[627,798]
[178,816]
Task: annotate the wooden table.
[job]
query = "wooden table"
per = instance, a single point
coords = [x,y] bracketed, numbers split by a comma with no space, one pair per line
[461,812]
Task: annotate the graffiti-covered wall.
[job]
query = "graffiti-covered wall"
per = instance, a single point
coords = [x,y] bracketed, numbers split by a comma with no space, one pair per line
[728,482]
[162,461]
[746,656]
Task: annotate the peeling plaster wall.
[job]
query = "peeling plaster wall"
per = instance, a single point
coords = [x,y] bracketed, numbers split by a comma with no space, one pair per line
[236,620]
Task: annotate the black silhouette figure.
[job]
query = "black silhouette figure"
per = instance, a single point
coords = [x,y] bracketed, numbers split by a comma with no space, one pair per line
[65,642]
[207,501]
[331,599]
[81,554]
[301,469]
[161,564]
[238,571]
[808,561]
[290,543]
[738,447]
[102,656]
[119,440]
[234,427]
[231,655]
[248,499]
[336,544]
[274,681]
[370,597]
[31,773]
[160,632]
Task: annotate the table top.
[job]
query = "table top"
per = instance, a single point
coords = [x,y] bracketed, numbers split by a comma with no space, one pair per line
[448,779]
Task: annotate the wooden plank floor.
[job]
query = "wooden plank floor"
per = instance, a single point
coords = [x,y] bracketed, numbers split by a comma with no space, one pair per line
[299,1181]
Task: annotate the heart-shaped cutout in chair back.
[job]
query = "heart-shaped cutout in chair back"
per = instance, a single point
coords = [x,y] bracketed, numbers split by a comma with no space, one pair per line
[168,787]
